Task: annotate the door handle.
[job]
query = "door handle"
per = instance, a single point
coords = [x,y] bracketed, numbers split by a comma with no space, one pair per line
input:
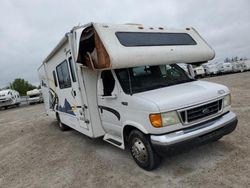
[124,103]
[73,93]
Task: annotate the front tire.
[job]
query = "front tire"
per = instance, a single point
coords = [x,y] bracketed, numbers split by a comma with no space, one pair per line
[142,151]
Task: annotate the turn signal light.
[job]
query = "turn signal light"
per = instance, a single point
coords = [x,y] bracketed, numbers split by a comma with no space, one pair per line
[155,120]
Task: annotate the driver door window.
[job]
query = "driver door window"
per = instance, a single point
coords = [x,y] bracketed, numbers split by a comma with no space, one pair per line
[108,82]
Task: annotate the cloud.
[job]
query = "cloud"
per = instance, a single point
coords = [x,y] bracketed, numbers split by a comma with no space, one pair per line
[30,29]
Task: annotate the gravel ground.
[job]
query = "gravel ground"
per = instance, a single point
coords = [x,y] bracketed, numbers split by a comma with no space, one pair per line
[35,153]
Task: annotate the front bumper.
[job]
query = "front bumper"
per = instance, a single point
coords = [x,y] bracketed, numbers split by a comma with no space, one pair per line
[34,100]
[195,135]
[6,102]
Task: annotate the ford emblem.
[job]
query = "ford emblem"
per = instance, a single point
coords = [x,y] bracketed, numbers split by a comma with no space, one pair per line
[221,92]
[205,110]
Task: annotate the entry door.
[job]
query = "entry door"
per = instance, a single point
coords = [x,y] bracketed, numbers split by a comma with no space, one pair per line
[109,104]
[77,106]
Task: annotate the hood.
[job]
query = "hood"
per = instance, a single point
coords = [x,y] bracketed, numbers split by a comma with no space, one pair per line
[4,93]
[184,95]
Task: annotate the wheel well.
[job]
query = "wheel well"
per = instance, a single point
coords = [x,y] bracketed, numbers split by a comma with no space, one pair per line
[126,131]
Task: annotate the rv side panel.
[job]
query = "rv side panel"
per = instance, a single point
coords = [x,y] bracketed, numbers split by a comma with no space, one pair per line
[90,81]
[44,82]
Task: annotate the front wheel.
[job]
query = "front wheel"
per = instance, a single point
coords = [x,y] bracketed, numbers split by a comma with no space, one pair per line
[142,151]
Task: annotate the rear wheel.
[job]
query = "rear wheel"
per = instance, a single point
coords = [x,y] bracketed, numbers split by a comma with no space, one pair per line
[142,151]
[63,127]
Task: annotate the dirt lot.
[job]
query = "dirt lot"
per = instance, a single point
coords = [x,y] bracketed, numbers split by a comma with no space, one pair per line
[35,153]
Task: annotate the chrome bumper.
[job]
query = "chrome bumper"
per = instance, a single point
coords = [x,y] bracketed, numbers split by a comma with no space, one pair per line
[194,132]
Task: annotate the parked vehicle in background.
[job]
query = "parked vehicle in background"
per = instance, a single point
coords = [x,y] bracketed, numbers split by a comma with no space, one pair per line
[210,69]
[225,68]
[35,96]
[119,82]
[246,65]
[199,71]
[238,66]
[9,98]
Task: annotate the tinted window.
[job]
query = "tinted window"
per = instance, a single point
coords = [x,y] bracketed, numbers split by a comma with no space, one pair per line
[54,77]
[73,75]
[63,75]
[130,39]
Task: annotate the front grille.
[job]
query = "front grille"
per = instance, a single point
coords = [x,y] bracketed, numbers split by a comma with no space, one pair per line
[200,112]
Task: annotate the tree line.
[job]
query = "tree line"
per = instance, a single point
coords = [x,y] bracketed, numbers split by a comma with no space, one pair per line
[21,85]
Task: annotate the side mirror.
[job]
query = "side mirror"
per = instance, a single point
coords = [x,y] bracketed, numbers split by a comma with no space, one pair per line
[190,71]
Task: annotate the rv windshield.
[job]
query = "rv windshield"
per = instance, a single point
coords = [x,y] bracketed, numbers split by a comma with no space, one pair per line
[144,78]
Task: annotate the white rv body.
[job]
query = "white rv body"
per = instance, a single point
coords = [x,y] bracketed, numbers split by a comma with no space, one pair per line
[92,82]
[225,67]
[8,98]
[246,65]
[35,96]
[238,66]
[210,69]
[199,71]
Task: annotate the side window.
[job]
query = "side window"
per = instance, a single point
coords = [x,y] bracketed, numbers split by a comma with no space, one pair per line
[54,77]
[63,75]
[108,82]
[72,71]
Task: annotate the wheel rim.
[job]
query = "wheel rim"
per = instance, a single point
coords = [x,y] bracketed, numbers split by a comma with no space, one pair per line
[139,151]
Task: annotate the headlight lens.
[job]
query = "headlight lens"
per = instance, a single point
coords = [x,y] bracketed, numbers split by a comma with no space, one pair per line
[227,101]
[164,119]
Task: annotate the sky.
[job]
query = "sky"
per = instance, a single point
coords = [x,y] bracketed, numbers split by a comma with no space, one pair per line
[29,30]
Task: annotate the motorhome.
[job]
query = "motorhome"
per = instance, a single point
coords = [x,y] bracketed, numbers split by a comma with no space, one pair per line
[122,83]
[210,69]
[199,71]
[35,96]
[246,65]
[238,66]
[9,98]
[225,68]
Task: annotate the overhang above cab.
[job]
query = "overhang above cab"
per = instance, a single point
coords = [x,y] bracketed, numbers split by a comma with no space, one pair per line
[109,46]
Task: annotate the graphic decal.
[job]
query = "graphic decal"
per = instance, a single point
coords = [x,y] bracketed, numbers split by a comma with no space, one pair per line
[116,113]
[53,99]
[66,108]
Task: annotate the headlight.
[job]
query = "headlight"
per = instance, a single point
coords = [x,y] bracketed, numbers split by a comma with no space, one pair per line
[227,101]
[164,119]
